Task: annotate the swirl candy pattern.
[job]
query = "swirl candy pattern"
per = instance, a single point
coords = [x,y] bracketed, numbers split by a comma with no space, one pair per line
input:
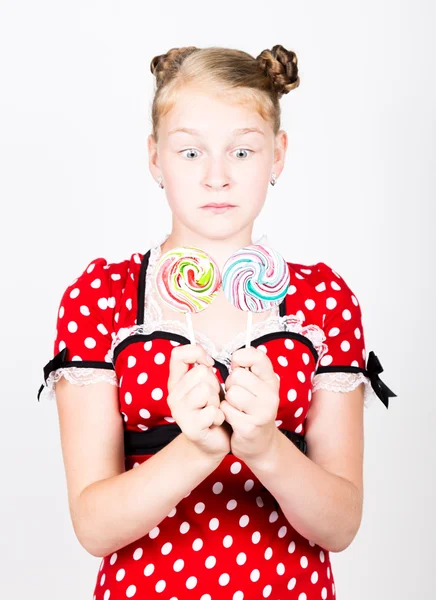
[255,278]
[187,279]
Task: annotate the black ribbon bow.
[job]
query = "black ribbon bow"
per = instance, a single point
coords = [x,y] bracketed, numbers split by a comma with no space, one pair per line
[373,369]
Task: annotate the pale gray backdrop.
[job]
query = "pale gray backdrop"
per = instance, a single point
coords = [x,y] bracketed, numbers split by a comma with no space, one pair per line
[357,192]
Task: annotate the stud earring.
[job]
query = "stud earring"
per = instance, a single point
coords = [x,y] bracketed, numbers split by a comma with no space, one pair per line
[159,181]
[273,179]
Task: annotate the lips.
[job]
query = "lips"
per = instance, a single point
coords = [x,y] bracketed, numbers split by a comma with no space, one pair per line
[218,205]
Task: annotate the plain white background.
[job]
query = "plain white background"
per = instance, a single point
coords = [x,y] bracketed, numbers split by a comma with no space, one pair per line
[357,193]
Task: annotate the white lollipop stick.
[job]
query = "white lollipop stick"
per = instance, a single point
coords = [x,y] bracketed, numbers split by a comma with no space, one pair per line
[249,323]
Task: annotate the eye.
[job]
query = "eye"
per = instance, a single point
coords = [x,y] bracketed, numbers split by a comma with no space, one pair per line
[244,150]
[191,150]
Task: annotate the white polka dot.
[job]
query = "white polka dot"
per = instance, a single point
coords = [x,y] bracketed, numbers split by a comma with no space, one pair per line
[76,358]
[248,485]
[244,520]
[142,378]
[333,332]
[103,577]
[291,290]
[153,533]
[254,575]
[268,553]
[292,395]
[116,276]
[166,548]
[131,362]
[113,558]
[354,299]
[184,527]
[179,565]
[235,467]
[111,302]
[199,507]
[210,562]
[266,592]
[90,342]
[138,553]
[107,595]
[292,583]
[306,358]
[72,327]
[346,314]
[345,346]
[321,556]
[224,579]
[214,524]
[273,516]
[291,547]
[324,593]
[262,348]
[145,414]
[120,574]
[85,310]
[364,354]
[289,343]
[304,562]
[197,544]
[282,531]
[102,329]
[301,376]
[302,596]
[128,398]
[74,293]
[280,569]
[61,312]
[331,303]
[314,577]
[90,268]
[217,487]
[326,360]
[129,304]
[357,333]
[191,582]
[231,504]
[159,358]
[355,363]
[298,412]
[156,394]
[102,303]
[300,315]
[160,585]
[149,569]
[282,360]
[320,287]
[310,304]
[255,538]
[299,429]
[62,345]
[96,283]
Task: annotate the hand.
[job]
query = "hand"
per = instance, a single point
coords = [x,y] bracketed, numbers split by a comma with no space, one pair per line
[251,403]
[194,400]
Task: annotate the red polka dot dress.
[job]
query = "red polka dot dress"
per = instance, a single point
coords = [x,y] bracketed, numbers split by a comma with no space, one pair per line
[228,539]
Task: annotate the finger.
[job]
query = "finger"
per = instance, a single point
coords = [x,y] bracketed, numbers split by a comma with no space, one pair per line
[193,377]
[257,360]
[182,357]
[248,380]
[241,399]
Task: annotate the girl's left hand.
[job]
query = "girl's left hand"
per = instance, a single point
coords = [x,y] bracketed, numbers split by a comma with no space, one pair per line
[251,403]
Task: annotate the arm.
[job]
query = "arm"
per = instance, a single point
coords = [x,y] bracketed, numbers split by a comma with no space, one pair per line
[111,507]
[321,494]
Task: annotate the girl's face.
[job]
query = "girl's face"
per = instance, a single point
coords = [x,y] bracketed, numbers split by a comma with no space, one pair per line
[204,155]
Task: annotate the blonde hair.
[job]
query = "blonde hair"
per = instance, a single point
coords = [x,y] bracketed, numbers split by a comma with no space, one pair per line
[259,81]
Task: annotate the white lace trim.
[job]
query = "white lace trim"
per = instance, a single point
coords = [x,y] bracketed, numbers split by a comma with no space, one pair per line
[341,381]
[78,376]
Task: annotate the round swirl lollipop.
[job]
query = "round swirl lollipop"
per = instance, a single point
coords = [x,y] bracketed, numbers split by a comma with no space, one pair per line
[187,279]
[255,278]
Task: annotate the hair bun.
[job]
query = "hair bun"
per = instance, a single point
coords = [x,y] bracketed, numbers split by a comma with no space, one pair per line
[281,66]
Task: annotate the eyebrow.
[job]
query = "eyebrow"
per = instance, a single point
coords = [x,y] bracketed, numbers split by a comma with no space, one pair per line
[235,132]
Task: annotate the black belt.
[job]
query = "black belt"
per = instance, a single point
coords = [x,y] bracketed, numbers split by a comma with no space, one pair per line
[154,439]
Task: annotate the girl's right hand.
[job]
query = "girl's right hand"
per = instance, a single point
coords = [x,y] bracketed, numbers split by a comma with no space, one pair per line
[194,400]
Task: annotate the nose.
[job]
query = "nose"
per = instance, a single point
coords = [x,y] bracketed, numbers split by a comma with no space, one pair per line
[217,176]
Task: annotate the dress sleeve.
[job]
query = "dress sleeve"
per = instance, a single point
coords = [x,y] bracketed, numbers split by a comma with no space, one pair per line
[343,364]
[84,331]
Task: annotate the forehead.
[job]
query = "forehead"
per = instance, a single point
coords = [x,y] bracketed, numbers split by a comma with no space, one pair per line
[194,109]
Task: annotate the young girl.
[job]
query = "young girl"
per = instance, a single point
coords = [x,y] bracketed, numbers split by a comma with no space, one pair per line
[218,482]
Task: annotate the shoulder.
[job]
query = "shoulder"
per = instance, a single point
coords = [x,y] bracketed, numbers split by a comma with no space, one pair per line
[321,279]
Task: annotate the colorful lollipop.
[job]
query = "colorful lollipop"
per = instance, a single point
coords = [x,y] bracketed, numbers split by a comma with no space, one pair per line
[255,278]
[187,280]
